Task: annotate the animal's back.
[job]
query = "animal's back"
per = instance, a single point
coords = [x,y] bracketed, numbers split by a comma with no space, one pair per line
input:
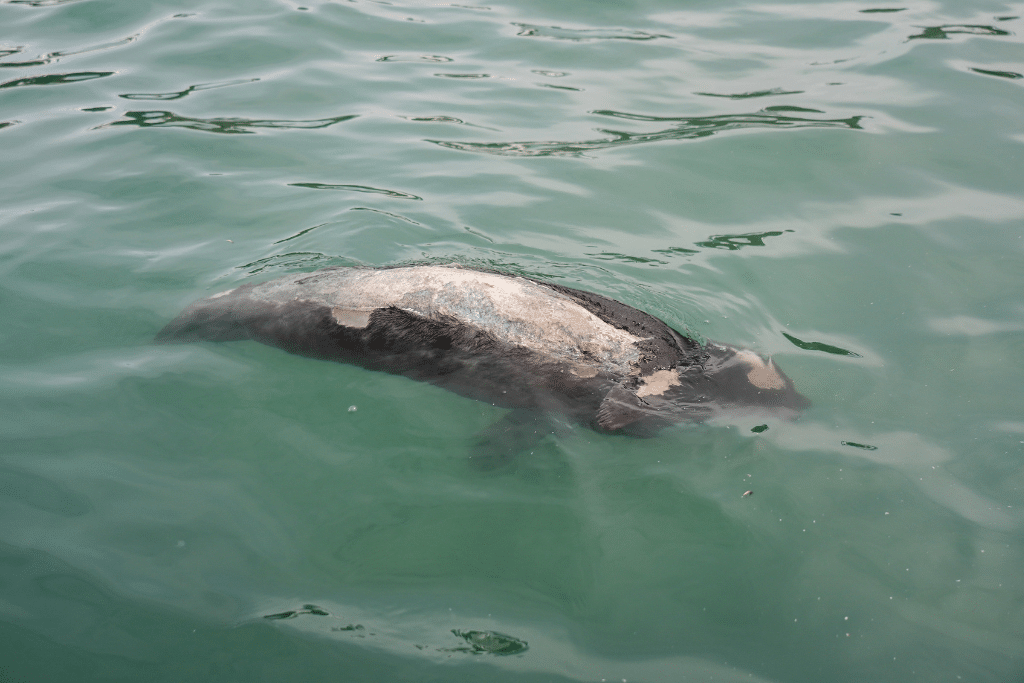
[513,310]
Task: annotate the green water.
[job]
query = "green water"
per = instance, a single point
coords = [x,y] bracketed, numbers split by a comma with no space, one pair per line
[837,184]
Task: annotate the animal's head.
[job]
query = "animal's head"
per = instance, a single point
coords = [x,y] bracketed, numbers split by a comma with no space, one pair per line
[724,380]
[740,380]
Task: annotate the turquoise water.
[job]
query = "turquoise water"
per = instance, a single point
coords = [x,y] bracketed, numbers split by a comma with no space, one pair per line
[837,184]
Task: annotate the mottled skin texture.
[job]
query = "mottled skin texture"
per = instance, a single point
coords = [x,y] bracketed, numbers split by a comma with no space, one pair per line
[508,340]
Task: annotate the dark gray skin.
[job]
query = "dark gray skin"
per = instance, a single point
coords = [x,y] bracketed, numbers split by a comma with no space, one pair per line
[511,341]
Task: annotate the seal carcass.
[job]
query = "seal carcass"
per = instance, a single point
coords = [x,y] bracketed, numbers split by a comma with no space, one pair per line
[509,340]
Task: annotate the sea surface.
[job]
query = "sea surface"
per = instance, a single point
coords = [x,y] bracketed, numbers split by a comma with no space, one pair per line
[836,184]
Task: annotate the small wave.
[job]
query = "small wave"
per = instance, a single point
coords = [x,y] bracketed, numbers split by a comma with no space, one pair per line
[386,213]
[944,31]
[357,188]
[433,119]
[294,260]
[993,72]
[40,3]
[420,58]
[300,233]
[56,79]
[751,95]
[154,119]
[739,241]
[463,75]
[626,258]
[726,242]
[682,128]
[559,87]
[51,57]
[184,93]
[582,34]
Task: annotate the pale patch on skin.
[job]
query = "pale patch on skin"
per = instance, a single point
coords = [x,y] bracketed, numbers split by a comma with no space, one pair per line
[584,371]
[217,296]
[762,375]
[351,318]
[658,383]
[512,309]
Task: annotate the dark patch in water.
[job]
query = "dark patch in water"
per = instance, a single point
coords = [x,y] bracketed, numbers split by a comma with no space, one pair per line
[490,642]
[819,346]
[861,446]
[1000,74]
[306,609]
[737,242]
[946,30]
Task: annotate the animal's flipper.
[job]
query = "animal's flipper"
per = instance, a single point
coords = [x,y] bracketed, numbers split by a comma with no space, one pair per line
[624,409]
[620,409]
[517,432]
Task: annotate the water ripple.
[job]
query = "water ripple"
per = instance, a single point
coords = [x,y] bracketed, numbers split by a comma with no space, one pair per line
[153,119]
[463,75]
[293,260]
[434,119]
[751,95]
[51,57]
[626,258]
[1000,74]
[560,87]
[186,92]
[727,242]
[683,128]
[737,242]
[56,79]
[357,188]
[944,31]
[820,346]
[421,58]
[386,213]
[300,233]
[40,3]
[581,34]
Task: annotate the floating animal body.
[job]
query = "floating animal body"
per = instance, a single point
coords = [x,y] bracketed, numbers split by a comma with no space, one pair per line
[515,342]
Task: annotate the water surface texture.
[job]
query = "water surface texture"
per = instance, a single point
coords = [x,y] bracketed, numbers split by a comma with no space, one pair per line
[835,184]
